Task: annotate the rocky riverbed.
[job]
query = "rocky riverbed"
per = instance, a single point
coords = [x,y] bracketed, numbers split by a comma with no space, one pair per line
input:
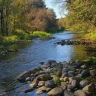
[73,78]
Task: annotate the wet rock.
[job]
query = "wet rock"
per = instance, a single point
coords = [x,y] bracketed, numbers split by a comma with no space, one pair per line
[41,63]
[44,77]
[33,85]
[35,81]
[41,83]
[39,92]
[29,90]
[55,91]
[79,93]
[23,76]
[43,88]
[34,70]
[50,62]
[49,83]
[45,65]
[39,73]
[84,83]
[28,79]
[68,93]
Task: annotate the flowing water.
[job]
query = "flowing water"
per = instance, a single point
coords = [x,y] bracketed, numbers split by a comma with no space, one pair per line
[29,55]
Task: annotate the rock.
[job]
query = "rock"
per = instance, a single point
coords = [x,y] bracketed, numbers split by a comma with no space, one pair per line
[66,79]
[48,70]
[39,73]
[68,93]
[79,93]
[55,91]
[93,72]
[84,83]
[44,77]
[41,63]
[69,86]
[29,90]
[85,73]
[70,73]
[39,92]
[33,85]
[74,83]
[45,65]
[83,67]
[64,83]
[50,62]
[41,83]
[64,74]
[48,89]
[34,70]
[70,79]
[49,83]
[35,81]
[89,89]
[43,88]
[71,68]
[28,79]
[61,79]
[23,76]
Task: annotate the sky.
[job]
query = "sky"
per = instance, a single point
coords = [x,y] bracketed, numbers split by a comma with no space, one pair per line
[55,7]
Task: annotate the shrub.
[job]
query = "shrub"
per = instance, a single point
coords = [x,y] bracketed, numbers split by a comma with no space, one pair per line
[57,81]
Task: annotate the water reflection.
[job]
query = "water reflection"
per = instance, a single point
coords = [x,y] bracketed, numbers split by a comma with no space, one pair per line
[29,55]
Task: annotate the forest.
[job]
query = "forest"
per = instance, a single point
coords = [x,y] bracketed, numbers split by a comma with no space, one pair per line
[26,19]
[80,17]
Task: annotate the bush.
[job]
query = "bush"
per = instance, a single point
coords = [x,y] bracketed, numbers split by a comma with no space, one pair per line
[40,34]
[57,81]
[10,38]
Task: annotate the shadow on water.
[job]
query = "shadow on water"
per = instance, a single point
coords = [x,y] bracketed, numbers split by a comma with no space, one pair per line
[29,55]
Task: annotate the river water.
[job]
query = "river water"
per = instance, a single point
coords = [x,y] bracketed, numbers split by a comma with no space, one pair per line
[29,55]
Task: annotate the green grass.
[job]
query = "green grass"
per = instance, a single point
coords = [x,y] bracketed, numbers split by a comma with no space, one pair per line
[21,35]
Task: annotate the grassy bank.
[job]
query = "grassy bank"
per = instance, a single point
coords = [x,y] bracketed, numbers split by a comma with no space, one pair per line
[20,35]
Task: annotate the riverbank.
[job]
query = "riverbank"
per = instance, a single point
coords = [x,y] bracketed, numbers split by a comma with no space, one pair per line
[63,78]
[21,37]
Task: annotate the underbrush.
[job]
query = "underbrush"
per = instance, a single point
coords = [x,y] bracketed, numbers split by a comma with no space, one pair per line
[91,35]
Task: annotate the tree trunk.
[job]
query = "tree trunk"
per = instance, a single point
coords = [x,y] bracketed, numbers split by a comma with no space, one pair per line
[2,23]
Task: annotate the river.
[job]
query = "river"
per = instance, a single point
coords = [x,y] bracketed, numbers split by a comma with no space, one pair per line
[29,55]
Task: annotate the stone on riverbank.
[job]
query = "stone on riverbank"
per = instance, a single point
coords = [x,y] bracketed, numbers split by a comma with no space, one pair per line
[55,91]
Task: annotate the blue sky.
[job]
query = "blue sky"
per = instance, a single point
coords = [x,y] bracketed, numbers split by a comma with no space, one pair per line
[55,7]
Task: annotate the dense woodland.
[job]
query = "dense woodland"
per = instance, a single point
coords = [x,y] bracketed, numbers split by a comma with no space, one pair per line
[81,16]
[21,17]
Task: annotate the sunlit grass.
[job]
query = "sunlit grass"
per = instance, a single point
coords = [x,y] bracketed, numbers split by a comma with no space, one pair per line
[20,35]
